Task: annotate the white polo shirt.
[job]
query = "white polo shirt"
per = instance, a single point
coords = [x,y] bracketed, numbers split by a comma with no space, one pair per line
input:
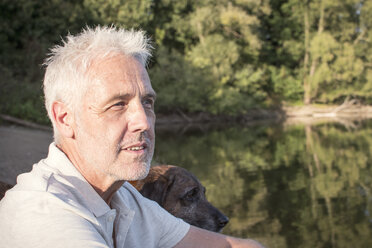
[54,206]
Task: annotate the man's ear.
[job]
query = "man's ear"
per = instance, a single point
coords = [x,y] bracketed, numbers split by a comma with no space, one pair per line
[63,118]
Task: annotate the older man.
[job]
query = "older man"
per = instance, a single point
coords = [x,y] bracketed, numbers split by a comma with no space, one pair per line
[99,98]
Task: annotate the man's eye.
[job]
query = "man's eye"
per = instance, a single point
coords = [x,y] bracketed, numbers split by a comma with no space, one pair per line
[118,105]
[148,103]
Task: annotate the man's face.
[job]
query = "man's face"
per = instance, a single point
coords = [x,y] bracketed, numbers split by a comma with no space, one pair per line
[115,122]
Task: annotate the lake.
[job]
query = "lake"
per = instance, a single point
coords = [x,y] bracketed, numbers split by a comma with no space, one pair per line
[286,186]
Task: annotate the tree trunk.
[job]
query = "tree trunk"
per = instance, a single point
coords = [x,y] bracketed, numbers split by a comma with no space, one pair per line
[307,88]
[309,74]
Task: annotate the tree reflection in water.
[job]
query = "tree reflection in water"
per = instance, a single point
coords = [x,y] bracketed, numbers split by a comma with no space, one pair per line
[298,186]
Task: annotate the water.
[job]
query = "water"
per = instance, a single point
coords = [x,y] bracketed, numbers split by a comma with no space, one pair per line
[294,186]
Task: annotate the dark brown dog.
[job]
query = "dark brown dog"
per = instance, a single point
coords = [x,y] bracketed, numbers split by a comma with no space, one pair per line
[181,194]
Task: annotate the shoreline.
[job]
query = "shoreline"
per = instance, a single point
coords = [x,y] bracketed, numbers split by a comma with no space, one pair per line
[288,115]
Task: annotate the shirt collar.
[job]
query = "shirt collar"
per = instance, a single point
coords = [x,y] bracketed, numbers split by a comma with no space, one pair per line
[89,197]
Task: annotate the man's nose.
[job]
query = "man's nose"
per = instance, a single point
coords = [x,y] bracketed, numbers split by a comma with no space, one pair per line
[138,119]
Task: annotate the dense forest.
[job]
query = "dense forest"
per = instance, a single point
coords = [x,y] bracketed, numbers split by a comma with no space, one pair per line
[210,56]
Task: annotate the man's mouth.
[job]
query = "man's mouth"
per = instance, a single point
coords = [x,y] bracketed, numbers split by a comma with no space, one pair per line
[140,146]
[135,148]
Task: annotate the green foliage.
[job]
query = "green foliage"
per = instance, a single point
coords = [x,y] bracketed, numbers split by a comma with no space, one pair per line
[21,100]
[285,85]
[178,83]
[136,14]
[222,57]
[216,55]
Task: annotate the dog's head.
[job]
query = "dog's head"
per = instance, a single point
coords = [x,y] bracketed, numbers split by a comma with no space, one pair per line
[180,193]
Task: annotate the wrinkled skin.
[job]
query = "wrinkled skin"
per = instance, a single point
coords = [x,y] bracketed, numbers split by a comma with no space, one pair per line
[181,194]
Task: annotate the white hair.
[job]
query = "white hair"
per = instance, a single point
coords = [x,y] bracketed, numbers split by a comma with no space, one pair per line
[67,65]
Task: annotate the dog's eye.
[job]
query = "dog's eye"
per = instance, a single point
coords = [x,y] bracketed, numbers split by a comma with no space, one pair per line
[191,194]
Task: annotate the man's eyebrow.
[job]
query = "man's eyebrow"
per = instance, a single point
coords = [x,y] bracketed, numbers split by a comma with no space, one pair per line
[119,96]
[151,95]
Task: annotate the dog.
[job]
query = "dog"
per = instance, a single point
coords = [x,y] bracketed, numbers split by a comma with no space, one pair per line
[181,194]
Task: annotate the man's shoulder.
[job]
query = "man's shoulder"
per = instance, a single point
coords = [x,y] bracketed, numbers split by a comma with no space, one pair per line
[43,195]
[42,186]
[36,180]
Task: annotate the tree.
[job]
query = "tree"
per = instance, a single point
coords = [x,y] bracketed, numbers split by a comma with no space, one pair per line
[323,46]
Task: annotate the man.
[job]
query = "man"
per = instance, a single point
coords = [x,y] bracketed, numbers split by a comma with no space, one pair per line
[99,98]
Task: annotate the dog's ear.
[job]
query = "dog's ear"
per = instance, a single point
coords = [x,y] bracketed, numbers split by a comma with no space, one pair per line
[170,182]
[158,190]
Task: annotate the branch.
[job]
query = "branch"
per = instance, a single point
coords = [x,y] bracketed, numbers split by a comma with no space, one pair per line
[360,36]
[346,104]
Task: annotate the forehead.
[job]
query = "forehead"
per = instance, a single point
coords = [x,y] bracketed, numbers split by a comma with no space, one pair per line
[119,74]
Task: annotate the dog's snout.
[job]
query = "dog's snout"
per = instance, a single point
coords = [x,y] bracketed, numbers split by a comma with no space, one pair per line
[222,221]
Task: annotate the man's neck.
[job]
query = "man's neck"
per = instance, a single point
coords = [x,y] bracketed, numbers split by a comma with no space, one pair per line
[104,185]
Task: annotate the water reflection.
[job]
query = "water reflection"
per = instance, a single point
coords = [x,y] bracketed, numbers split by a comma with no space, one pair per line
[298,186]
